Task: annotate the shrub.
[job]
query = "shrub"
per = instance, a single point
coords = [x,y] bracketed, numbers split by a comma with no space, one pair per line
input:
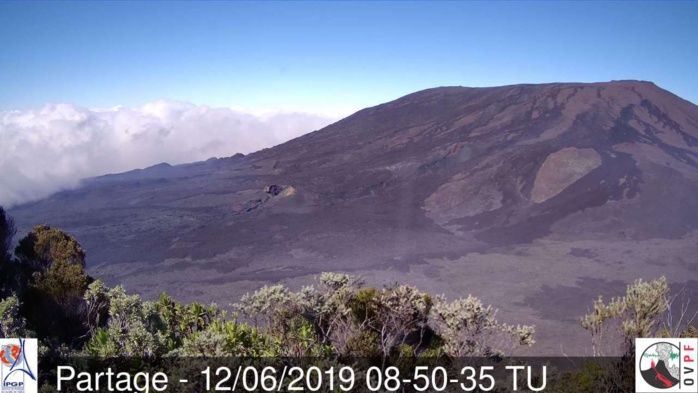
[470,329]
[400,311]
[12,323]
[135,328]
[615,325]
[268,306]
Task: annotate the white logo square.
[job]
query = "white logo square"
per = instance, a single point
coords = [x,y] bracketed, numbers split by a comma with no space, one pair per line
[19,365]
[666,365]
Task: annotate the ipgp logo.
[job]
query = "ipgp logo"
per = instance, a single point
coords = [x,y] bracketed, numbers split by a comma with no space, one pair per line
[666,365]
[18,365]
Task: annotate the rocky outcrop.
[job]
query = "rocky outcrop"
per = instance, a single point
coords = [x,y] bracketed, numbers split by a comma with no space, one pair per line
[268,193]
[273,189]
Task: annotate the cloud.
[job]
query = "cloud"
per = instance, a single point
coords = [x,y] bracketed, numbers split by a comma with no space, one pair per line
[46,150]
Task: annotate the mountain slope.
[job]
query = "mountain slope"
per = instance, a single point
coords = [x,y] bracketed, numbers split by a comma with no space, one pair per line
[526,156]
[534,197]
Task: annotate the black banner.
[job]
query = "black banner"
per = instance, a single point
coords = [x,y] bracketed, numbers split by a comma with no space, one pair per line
[404,374]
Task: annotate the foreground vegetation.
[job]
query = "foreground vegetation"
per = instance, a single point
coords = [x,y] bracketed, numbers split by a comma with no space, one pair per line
[45,293]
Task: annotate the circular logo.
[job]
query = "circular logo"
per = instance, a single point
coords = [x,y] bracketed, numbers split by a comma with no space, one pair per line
[9,354]
[659,365]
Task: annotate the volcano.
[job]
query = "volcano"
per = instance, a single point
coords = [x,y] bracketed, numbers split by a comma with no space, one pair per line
[535,198]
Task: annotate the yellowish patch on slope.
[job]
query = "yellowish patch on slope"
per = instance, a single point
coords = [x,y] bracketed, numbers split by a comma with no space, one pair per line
[288,191]
[561,169]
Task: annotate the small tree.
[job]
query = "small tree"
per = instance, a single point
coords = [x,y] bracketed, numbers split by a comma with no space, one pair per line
[400,312]
[54,303]
[615,325]
[328,308]
[52,267]
[679,316]
[44,246]
[63,282]
[97,304]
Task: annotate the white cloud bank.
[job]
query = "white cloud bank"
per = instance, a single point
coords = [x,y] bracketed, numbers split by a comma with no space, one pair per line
[50,149]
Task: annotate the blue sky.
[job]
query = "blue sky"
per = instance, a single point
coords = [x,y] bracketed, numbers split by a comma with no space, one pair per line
[330,57]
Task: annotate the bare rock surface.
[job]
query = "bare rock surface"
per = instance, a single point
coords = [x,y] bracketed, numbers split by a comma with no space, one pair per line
[561,169]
